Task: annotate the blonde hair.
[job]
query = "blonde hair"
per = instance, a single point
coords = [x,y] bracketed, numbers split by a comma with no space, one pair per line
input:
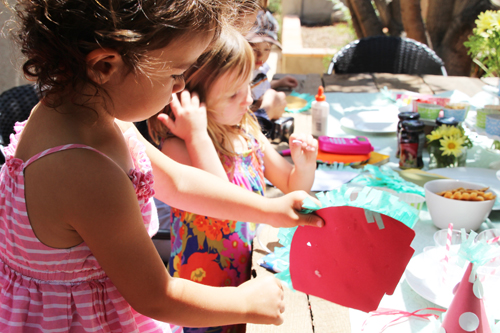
[231,54]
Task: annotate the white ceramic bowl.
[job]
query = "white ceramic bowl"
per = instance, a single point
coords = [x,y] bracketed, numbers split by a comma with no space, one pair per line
[463,214]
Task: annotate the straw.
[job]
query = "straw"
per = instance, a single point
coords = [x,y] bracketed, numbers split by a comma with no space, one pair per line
[493,240]
[448,241]
[447,253]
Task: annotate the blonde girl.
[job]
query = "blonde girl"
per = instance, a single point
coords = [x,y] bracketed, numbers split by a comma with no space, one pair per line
[226,141]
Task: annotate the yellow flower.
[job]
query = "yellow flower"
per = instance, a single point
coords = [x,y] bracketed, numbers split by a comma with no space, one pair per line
[435,135]
[451,145]
[450,131]
[486,20]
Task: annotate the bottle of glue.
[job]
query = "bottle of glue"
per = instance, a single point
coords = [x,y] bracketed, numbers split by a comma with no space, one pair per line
[320,110]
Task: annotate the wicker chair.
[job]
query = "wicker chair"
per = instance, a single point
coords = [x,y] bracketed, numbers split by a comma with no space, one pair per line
[387,54]
[15,105]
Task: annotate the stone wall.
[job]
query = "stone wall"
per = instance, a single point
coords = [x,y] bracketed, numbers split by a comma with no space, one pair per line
[294,58]
[311,11]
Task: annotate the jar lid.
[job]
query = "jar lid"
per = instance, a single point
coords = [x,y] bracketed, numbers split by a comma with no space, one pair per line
[450,121]
[407,115]
[413,125]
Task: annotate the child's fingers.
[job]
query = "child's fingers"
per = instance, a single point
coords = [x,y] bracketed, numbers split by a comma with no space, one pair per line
[185,98]
[306,219]
[195,100]
[166,120]
[312,220]
[304,142]
[175,105]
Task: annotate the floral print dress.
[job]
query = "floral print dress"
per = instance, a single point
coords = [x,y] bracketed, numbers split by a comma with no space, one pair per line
[217,252]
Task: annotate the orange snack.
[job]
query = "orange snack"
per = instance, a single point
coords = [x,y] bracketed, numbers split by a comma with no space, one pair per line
[468,194]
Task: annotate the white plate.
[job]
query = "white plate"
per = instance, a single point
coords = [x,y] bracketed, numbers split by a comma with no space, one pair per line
[474,175]
[385,121]
[423,275]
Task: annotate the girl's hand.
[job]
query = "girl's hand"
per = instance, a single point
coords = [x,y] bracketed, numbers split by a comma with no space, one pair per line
[190,116]
[304,150]
[284,211]
[264,298]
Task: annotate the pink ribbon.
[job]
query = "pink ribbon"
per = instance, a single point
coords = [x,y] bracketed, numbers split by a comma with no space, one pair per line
[403,315]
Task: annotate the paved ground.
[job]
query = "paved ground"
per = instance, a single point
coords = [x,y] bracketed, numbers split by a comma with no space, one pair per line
[330,36]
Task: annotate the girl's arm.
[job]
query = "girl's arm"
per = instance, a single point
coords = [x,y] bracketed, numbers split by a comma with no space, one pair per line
[288,177]
[83,191]
[197,191]
[192,144]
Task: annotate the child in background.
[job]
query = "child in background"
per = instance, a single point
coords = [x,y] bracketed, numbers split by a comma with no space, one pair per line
[204,249]
[262,36]
[80,259]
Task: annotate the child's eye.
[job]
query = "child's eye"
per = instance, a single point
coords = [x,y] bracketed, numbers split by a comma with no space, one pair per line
[178,77]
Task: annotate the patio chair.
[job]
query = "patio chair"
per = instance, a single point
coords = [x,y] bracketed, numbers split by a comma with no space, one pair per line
[15,105]
[386,54]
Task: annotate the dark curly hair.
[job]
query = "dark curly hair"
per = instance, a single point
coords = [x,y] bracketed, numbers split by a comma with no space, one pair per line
[57,35]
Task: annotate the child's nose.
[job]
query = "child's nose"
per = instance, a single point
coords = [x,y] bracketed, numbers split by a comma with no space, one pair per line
[249,99]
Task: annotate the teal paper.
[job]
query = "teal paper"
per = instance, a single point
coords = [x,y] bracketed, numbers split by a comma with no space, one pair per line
[477,252]
[384,176]
[367,198]
[307,97]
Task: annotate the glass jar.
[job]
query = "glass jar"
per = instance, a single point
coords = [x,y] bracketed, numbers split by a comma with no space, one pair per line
[450,121]
[406,115]
[412,141]
[438,160]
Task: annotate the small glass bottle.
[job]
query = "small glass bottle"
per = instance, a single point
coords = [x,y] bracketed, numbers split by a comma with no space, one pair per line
[411,144]
[406,115]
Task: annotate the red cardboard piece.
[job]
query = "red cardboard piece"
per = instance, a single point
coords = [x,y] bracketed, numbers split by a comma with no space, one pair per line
[356,258]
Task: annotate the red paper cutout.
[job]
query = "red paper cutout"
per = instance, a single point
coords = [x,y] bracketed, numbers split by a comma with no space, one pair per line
[349,261]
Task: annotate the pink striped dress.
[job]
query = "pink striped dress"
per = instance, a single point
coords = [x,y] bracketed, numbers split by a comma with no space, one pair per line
[44,289]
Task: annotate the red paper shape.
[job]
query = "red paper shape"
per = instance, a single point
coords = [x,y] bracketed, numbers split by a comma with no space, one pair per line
[350,261]
[464,305]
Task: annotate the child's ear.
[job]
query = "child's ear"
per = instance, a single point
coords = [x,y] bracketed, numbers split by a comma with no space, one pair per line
[102,64]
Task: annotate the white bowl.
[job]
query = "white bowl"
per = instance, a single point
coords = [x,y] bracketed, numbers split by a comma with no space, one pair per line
[463,214]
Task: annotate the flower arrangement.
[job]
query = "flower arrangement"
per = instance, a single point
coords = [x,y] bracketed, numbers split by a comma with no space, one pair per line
[484,43]
[447,147]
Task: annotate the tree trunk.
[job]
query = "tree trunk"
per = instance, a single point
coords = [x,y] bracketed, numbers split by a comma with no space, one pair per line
[396,23]
[452,49]
[354,19]
[439,17]
[368,20]
[383,12]
[411,13]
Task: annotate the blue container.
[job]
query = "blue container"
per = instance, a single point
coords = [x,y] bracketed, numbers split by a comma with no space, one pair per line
[493,124]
